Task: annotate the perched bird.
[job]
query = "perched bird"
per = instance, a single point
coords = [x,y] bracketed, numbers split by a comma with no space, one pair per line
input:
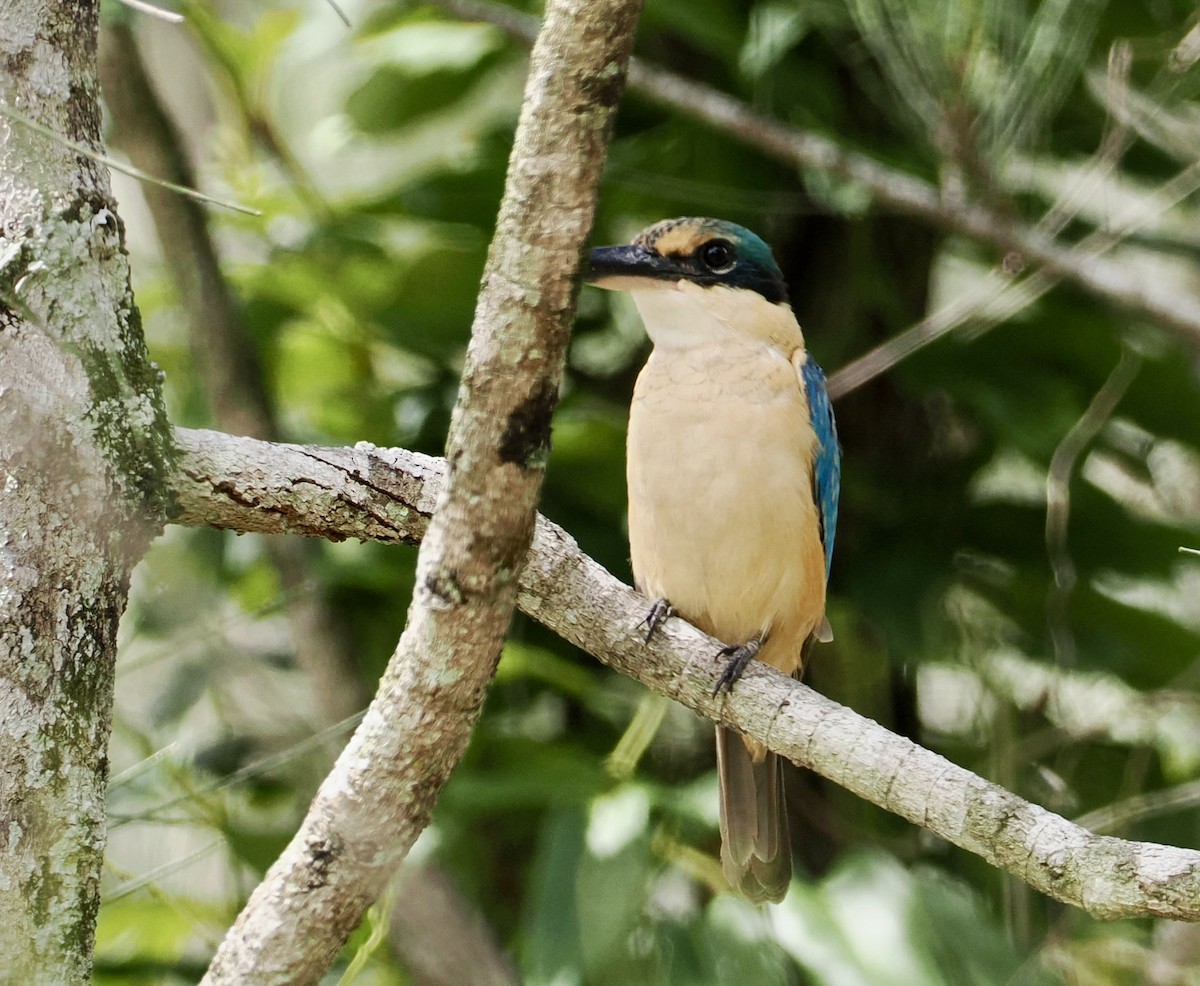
[733,473]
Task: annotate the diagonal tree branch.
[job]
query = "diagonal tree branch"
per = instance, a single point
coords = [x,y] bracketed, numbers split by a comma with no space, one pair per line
[389,495]
[1112,282]
[381,792]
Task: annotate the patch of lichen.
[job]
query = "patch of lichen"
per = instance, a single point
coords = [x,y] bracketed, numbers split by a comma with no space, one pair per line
[84,683]
[127,410]
[129,417]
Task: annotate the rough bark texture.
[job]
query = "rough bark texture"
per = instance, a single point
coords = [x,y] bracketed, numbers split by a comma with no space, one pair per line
[382,791]
[84,445]
[388,494]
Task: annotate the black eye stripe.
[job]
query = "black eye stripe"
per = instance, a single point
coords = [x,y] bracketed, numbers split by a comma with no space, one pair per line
[707,252]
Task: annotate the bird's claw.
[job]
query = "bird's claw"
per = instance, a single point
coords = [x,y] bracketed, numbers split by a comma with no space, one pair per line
[739,656]
[656,617]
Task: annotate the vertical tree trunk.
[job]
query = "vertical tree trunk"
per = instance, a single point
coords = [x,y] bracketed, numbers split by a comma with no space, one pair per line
[84,446]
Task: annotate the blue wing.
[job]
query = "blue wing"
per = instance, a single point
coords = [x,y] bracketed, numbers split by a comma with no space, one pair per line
[827,467]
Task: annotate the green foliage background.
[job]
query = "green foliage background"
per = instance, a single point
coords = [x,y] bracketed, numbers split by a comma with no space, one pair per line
[376,154]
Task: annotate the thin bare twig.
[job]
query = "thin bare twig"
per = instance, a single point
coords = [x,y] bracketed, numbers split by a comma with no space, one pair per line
[1113,144]
[247,772]
[170,16]
[115,165]
[1058,498]
[1142,806]
[1001,295]
[339,12]
[166,869]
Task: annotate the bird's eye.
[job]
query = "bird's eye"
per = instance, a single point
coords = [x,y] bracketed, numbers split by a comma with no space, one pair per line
[717,256]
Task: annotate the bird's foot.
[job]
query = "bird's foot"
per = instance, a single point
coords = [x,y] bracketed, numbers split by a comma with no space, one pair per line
[656,617]
[739,656]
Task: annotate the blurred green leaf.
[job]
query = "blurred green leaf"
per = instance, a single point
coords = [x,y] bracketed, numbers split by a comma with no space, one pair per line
[551,948]
[870,922]
[427,47]
[611,891]
[395,97]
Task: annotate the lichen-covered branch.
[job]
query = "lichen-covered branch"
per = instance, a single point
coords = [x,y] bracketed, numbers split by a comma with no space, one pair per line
[388,494]
[84,446]
[380,794]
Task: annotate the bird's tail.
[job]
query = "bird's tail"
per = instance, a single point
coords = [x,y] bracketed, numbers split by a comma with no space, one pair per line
[756,853]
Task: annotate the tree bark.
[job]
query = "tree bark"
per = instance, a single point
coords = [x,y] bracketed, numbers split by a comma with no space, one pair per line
[84,449]
[382,790]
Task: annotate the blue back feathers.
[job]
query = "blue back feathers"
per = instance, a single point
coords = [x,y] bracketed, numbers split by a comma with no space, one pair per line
[827,465]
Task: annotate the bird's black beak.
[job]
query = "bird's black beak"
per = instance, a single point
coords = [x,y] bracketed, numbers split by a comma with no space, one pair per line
[624,268]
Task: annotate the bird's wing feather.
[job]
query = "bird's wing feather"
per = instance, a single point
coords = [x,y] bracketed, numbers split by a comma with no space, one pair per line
[827,464]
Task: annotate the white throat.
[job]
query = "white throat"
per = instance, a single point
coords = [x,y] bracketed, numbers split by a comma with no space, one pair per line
[678,319]
[683,315]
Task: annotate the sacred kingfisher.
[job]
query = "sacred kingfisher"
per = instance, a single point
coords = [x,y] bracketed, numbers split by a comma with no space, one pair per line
[733,471]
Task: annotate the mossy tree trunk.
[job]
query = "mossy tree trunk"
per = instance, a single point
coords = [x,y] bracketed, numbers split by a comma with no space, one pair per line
[84,447]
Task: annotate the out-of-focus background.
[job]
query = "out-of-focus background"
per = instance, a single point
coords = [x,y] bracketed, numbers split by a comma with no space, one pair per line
[1008,586]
